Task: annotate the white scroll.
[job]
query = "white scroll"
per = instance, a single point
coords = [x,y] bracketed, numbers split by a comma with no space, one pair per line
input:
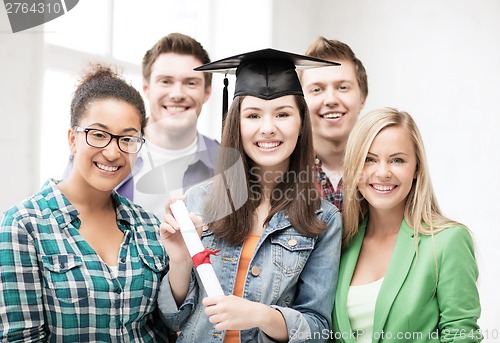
[200,255]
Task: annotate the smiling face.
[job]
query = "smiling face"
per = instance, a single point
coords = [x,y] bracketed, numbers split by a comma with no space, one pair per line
[103,169]
[389,171]
[334,99]
[270,130]
[176,92]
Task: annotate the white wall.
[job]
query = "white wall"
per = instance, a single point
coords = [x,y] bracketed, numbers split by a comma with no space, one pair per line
[438,60]
[20,90]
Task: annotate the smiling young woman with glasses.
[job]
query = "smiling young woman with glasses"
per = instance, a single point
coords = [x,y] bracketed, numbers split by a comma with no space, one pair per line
[78,262]
[100,139]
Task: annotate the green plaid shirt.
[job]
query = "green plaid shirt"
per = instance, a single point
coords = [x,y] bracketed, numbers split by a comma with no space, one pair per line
[55,288]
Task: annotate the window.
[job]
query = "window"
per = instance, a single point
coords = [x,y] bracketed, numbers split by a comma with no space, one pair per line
[119,32]
[105,31]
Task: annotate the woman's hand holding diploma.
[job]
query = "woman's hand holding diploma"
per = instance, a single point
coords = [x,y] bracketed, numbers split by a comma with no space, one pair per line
[180,235]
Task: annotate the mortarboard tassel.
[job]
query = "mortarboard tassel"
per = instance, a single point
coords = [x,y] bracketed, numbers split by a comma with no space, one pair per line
[224,99]
[224,113]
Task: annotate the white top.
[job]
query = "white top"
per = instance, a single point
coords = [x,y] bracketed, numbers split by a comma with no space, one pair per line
[334,177]
[361,300]
[155,156]
[114,270]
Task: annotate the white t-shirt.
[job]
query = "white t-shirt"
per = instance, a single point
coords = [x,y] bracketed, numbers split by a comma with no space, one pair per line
[334,177]
[155,156]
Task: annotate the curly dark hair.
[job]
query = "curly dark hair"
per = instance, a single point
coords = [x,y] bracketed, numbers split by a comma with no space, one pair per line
[102,82]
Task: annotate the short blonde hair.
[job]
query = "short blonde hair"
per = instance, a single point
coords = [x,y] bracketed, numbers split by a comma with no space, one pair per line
[422,211]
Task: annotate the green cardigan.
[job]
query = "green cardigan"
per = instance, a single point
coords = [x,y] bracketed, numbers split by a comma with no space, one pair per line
[409,307]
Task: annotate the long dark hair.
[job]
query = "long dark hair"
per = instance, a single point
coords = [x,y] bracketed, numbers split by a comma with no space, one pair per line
[295,193]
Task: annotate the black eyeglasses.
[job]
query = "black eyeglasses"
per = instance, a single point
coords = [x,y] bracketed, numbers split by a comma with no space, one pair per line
[98,138]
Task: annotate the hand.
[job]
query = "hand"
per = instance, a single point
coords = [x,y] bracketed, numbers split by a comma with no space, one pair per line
[234,313]
[180,262]
[171,236]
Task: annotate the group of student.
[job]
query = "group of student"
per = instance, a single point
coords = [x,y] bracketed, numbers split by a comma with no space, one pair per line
[357,250]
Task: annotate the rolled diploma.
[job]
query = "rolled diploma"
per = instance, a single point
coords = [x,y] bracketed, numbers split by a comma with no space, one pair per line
[194,245]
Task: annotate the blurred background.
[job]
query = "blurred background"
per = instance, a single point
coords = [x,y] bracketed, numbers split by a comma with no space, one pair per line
[437,60]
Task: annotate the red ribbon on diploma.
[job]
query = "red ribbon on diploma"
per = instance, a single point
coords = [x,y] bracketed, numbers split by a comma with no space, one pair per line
[203,256]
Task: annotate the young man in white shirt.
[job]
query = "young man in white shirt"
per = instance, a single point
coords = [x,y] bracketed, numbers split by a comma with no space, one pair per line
[175,155]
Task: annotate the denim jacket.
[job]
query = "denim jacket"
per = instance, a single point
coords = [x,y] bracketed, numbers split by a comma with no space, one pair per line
[293,273]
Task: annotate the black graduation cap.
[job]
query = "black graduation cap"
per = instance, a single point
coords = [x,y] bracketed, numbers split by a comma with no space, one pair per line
[265,74]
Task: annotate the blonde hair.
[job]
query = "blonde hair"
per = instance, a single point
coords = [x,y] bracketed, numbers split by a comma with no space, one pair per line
[422,211]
